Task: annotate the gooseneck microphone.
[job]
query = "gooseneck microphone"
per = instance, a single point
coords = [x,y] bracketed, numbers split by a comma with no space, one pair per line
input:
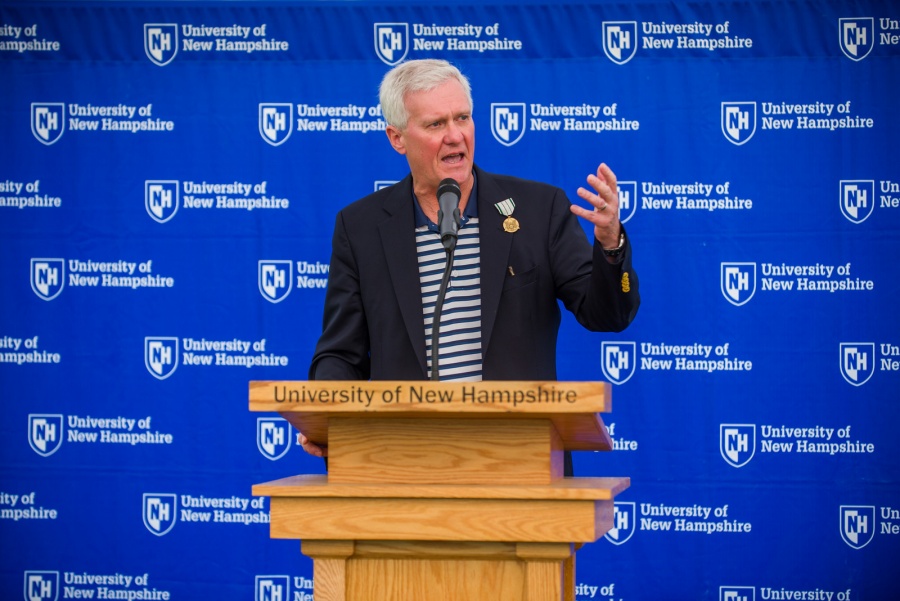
[448,211]
[448,222]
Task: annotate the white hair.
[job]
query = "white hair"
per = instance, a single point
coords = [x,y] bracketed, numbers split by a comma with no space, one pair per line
[415,76]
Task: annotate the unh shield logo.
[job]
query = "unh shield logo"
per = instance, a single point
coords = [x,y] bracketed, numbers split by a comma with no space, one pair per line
[508,122]
[272,588]
[857,361]
[857,199]
[857,525]
[737,443]
[624,515]
[45,433]
[276,121]
[627,200]
[620,40]
[273,437]
[738,282]
[161,355]
[48,277]
[617,360]
[737,593]
[48,121]
[857,37]
[159,512]
[161,42]
[41,585]
[275,280]
[161,199]
[738,121]
[391,42]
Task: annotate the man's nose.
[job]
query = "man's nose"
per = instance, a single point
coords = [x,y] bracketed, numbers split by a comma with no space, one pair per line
[453,133]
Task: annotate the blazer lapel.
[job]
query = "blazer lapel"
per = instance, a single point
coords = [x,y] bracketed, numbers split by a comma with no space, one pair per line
[495,247]
[399,243]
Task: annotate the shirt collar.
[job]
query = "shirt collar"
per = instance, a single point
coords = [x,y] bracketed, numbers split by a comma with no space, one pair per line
[471,208]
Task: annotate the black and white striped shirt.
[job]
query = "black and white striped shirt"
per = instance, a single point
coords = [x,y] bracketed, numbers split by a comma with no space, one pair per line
[460,332]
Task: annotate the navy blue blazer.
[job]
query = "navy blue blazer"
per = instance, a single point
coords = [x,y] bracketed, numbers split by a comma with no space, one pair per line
[373,325]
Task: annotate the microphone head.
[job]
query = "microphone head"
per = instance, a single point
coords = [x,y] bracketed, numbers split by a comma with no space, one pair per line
[448,194]
[448,185]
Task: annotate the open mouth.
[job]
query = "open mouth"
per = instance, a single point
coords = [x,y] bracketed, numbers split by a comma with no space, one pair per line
[454,158]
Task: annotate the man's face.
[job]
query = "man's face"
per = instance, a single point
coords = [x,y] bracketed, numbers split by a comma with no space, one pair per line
[439,139]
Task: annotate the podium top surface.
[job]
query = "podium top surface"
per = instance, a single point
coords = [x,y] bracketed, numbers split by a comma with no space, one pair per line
[565,489]
[424,397]
[573,407]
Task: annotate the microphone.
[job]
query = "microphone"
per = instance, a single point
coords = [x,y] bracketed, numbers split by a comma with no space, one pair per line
[448,212]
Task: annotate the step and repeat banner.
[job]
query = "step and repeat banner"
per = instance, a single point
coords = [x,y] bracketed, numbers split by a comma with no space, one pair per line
[169,177]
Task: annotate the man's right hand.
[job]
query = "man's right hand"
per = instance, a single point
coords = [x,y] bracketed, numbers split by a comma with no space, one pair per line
[313,449]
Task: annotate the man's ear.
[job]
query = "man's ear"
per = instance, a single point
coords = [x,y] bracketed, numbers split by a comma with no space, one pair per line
[395,137]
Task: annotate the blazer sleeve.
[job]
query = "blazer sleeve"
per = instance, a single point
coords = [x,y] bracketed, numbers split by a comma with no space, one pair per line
[603,296]
[342,352]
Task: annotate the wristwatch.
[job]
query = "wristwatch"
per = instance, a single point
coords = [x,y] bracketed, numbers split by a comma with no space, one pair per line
[615,252]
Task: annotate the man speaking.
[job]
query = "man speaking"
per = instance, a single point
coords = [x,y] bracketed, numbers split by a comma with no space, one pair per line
[485,278]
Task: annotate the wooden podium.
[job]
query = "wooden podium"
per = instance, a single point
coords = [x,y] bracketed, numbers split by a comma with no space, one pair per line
[442,491]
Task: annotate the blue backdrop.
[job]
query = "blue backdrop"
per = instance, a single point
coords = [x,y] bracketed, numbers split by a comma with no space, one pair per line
[169,177]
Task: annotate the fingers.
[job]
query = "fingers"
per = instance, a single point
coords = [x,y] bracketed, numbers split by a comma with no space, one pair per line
[312,448]
[608,175]
[604,198]
[599,199]
[604,211]
[604,182]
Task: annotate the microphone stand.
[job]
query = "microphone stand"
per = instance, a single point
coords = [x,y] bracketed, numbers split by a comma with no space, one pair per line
[438,307]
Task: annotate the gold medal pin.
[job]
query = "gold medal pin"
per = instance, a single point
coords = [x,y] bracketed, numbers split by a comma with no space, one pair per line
[506,208]
[511,224]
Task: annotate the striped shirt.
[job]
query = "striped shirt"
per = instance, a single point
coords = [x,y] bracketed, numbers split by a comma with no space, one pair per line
[460,332]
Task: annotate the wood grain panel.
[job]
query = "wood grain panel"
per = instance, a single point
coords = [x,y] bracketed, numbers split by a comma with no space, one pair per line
[543,581]
[435,519]
[434,580]
[317,485]
[405,549]
[451,451]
